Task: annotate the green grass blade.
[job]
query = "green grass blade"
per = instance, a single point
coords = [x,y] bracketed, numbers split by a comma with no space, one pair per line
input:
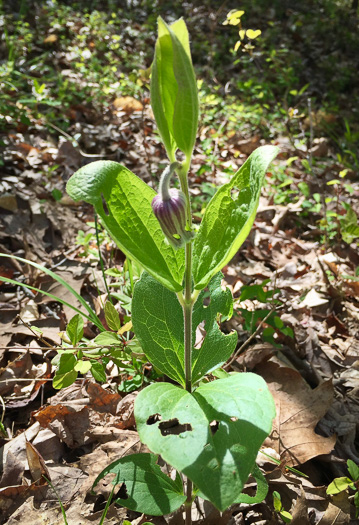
[92,316]
[54,297]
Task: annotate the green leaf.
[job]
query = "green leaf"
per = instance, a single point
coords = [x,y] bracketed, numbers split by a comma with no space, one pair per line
[98,371]
[112,317]
[286,516]
[338,485]
[66,373]
[174,96]
[262,489]
[75,329]
[129,218]
[146,487]
[107,339]
[228,221]
[353,470]
[212,435]
[157,318]
[277,502]
[82,366]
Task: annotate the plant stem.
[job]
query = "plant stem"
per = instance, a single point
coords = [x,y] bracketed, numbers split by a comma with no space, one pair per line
[187,305]
[187,314]
[188,518]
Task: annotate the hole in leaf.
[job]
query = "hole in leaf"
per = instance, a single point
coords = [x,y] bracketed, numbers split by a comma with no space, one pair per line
[234,194]
[104,205]
[173,427]
[153,419]
[122,493]
[214,426]
[233,418]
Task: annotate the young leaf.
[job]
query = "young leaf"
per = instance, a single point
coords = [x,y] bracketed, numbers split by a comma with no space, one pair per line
[107,339]
[338,485]
[157,318]
[82,366]
[145,487]
[129,218]
[212,435]
[277,502]
[66,373]
[353,470]
[227,221]
[98,371]
[112,317]
[75,329]
[174,96]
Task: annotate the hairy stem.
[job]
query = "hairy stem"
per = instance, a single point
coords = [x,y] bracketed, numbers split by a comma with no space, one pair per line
[187,305]
[187,314]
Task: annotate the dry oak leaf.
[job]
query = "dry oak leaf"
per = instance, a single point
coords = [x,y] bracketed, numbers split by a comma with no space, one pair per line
[127,104]
[299,409]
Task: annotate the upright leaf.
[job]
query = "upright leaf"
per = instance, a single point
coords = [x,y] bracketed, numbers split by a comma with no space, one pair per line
[174,95]
[212,435]
[65,374]
[145,488]
[129,218]
[112,317]
[75,329]
[228,220]
[157,318]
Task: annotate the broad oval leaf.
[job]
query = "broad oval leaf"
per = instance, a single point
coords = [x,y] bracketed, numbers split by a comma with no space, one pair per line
[129,218]
[227,220]
[174,96]
[212,435]
[65,374]
[157,318]
[145,488]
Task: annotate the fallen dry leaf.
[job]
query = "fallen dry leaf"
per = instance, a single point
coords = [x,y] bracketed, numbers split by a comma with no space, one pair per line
[338,512]
[299,408]
[128,104]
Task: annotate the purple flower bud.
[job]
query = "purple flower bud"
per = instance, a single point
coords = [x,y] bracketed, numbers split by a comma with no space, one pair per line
[171,214]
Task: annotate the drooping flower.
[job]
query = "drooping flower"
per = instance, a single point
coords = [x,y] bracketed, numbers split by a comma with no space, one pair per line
[170,208]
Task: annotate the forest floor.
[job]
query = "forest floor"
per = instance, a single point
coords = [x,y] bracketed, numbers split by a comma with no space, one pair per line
[75,86]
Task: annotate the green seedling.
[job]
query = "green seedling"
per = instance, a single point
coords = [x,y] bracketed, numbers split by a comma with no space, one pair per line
[342,484]
[210,433]
[278,507]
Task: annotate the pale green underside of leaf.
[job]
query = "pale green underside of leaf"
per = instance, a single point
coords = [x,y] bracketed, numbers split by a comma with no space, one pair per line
[130,219]
[227,222]
[218,463]
[149,490]
[157,318]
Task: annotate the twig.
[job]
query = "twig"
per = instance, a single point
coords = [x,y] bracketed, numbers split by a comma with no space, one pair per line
[71,139]
[250,338]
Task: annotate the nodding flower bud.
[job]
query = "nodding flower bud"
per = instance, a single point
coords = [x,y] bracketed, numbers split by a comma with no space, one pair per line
[170,207]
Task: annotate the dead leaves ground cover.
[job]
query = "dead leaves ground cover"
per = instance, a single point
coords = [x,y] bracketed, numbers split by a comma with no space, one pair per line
[312,370]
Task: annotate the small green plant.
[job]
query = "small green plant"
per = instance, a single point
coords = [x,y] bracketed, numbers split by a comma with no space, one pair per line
[278,507]
[342,484]
[210,433]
